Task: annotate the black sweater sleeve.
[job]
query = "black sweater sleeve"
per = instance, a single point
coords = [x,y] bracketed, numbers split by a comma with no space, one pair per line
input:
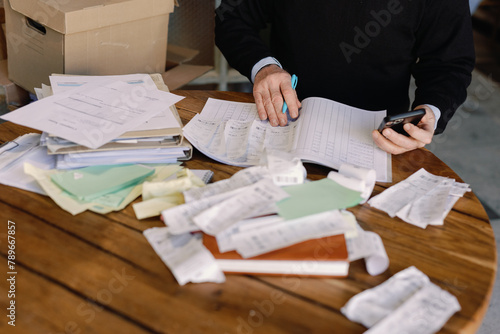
[237,26]
[429,39]
[445,52]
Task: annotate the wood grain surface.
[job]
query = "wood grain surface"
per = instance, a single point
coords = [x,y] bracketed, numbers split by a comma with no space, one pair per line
[94,273]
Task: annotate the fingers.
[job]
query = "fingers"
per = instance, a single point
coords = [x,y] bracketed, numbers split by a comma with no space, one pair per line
[271,88]
[395,143]
[291,99]
[420,135]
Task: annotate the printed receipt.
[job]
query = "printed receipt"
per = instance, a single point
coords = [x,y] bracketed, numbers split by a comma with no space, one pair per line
[280,234]
[185,256]
[254,200]
[368,246]
[406,303]
[240,179]
[422,199]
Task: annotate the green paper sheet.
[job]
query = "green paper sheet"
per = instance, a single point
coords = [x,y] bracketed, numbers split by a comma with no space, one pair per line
[315,197]
[89,183]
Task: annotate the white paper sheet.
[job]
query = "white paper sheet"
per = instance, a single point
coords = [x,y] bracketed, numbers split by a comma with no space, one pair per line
[13,155]
[326,133]
[64,83]
[94,115]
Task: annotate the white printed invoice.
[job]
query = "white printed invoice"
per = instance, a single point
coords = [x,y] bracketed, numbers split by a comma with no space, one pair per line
[332,133]
[327,133]
[94,115]
[64,83]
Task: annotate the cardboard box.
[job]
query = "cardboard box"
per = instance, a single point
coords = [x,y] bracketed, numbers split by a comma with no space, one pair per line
[177,72]
[15,96]
[87,37]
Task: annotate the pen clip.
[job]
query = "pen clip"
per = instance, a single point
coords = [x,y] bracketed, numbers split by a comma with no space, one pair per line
[295,79]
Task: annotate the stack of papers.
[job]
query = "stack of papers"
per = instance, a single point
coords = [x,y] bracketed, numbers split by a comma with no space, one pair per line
[104,120]
[422,199]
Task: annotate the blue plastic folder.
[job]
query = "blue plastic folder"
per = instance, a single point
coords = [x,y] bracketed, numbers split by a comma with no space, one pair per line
[89,183]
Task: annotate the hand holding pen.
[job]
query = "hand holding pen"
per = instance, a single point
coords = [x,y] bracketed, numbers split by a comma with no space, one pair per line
[274,94]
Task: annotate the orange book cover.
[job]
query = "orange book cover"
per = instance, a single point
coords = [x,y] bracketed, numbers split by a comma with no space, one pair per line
[326,257]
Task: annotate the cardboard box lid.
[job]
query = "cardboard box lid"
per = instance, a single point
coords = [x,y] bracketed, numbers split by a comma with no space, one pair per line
[68,16]
[183,74]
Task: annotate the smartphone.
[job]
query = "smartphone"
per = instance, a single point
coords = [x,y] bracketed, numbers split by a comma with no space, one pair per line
[396,122]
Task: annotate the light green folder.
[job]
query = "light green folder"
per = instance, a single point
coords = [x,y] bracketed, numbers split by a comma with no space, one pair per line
[89,183]
[315,197]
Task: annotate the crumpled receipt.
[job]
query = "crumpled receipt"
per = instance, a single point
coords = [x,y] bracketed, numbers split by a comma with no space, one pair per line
[367,245]
[164,194]
[355,178]
[422,199]
[185,256]
[406,303]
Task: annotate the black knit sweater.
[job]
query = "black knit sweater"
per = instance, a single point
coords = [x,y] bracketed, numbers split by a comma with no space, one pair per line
[358,52]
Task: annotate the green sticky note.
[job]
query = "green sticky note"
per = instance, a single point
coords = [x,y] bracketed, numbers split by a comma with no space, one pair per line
[92,182]
[315,197]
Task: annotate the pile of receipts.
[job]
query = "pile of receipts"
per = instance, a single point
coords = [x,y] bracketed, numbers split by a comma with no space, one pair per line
[408,302]
[422,199]
[243,213]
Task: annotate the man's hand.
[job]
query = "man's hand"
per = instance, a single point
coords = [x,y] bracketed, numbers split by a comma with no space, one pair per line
[272,83]
[420,135]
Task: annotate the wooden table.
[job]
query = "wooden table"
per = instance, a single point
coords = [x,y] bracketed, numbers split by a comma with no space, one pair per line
[97,274]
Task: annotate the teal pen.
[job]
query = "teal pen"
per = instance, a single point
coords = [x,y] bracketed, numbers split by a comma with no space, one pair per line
[294,84]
